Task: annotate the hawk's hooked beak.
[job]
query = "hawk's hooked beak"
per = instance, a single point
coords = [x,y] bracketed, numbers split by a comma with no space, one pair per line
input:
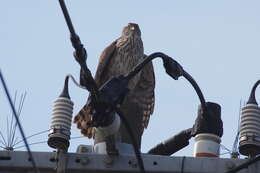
[132,28]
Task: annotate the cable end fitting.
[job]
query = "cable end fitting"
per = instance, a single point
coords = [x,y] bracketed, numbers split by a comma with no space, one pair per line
[172,67]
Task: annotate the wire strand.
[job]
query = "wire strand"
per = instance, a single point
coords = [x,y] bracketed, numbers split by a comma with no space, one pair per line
[77,137]
[75,82]
[39,133]
[3,138]
[16,139]
[31,144]
[224,153]
[41,142]
[2,142]
[19,111]
[7,133]
[225,148]
[11,129]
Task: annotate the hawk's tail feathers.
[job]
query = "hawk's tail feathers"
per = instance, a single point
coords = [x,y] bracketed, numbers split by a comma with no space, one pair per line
[83,119]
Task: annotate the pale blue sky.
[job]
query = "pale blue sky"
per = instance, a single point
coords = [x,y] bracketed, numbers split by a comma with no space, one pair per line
[217,42]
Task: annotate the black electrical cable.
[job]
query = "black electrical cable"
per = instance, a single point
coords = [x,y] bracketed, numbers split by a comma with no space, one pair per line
[81,54]
[67,17]
[18,122]
[244,165]
[171,67]
[134,143]
[252,99]
[196,87]
[139,66]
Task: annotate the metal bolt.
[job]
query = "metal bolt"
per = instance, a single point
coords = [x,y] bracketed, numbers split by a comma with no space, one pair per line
[84,161]
[133,163]
[84,149]
[230,165]
[108,161]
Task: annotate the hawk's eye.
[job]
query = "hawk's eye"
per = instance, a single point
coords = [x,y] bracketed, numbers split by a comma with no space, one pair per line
[126,31]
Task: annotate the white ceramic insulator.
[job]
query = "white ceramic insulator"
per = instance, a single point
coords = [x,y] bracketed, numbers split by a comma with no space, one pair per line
[62,115]
[123,148]
[110,129]
[250,123]
[206,145]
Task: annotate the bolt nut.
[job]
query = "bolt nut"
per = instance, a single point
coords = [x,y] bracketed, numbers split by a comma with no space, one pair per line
[108,161]
[133,163]
[230,165]
[84,161]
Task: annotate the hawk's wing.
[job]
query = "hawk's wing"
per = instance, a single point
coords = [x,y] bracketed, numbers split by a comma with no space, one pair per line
[101,76]
[83,118]
[143,94]
[139,105]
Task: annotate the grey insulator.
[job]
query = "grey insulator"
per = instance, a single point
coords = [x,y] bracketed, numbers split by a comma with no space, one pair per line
[59,135]
[249,141]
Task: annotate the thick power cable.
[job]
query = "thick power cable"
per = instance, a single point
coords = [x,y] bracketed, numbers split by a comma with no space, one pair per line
[244,165]
[134,142]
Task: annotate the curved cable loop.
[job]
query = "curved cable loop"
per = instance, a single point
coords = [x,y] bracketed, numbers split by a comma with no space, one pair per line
[173,68]
[196,87]
[252,98]
[75,82]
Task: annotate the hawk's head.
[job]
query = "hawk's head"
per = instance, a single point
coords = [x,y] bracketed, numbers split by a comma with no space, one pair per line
[130,30]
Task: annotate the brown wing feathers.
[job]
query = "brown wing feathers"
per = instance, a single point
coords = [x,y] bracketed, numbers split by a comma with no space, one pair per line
[84,116]
[143,94]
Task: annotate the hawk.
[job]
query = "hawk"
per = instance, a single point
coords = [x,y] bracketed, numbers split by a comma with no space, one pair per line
[118,59]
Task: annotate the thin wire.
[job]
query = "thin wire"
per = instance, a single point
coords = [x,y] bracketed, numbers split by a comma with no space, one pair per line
[3,138]
[2,142]
[239,115]
[225,148]
[14,127]
[11,128]
[234,147]
[8,137]
[19,111]
[16,139]
[31,144]
[76,137]
[224,153]
[18,122]
[24,95]
[39,133]
[75,82]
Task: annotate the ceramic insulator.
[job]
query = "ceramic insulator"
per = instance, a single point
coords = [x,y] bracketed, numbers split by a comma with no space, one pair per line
[59,135]
[249,141]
